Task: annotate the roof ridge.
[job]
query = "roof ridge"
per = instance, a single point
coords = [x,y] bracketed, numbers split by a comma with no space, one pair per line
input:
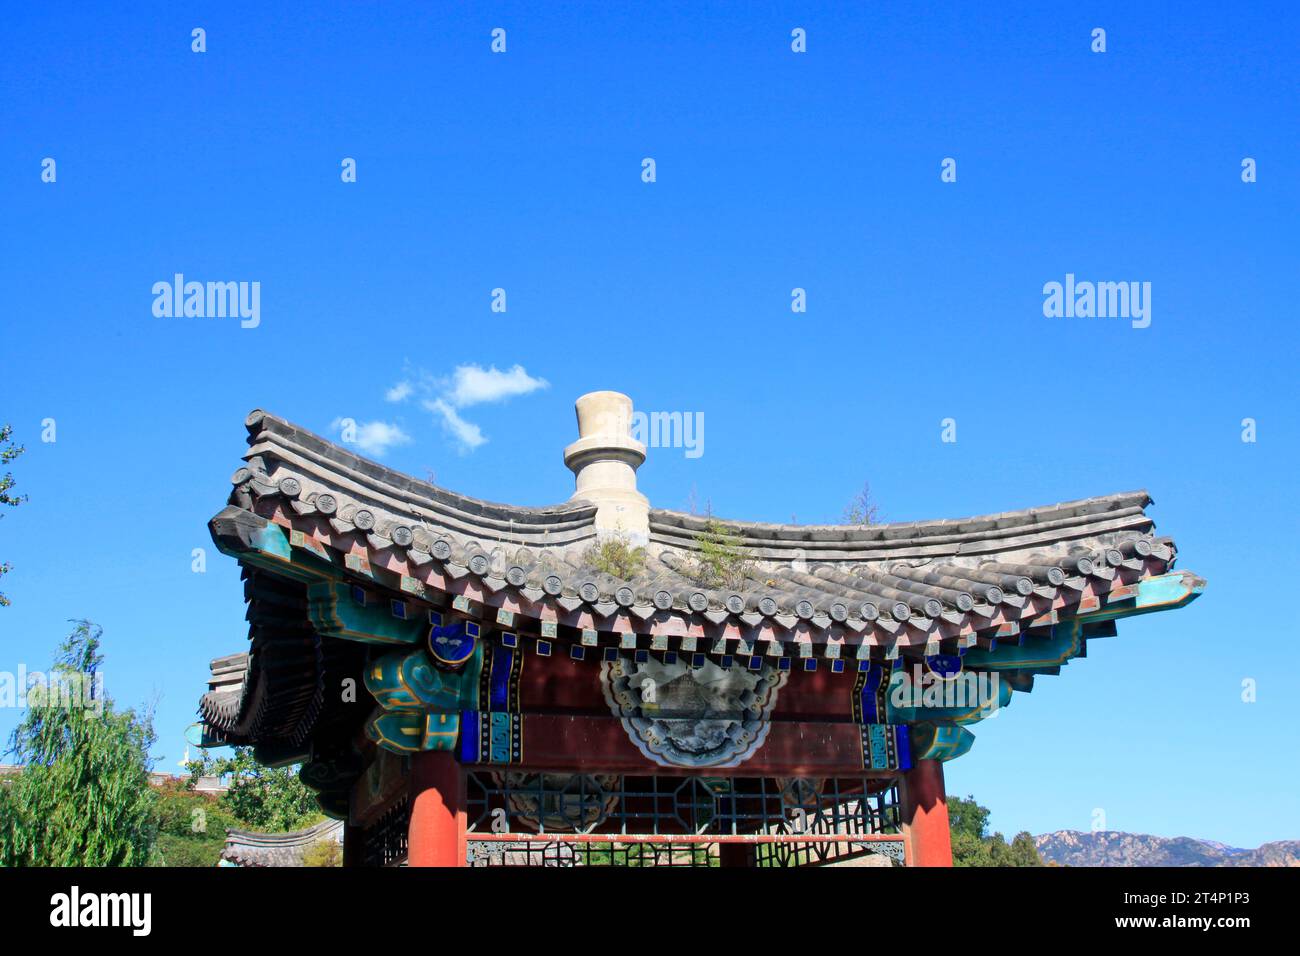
[875,530]
[304,439]
[290,837]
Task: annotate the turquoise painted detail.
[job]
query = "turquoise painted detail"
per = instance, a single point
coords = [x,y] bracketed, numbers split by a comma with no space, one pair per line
[500,736]
[938,731]
[334,611]
[419,703]
[1164,592]
[1065,642]
[940,741]
[937,722]
[411,731]
[408,679]
[969,698]
[272,540]
[270,550]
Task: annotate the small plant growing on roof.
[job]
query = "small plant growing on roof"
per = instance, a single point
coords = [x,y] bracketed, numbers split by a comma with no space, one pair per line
[617,558]
[862,510]
[722,560]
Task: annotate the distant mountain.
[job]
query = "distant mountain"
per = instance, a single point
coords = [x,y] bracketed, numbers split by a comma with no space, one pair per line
[1112,848]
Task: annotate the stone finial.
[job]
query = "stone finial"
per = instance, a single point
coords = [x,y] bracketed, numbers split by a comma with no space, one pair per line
[604,461]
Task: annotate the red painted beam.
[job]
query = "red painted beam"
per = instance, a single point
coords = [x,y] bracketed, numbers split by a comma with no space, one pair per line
[564,743]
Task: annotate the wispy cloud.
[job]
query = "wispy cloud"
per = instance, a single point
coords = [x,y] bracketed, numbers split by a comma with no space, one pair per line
[373,438]
[465,387]
[468,435]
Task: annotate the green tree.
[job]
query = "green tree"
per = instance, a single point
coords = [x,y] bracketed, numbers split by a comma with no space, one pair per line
[268,799]
[191,827]
[1024,851]
[8,452]
[972,845]
[967,824]
[83,795]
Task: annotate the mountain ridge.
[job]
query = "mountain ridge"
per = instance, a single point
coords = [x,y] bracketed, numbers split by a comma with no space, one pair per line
[1117,848]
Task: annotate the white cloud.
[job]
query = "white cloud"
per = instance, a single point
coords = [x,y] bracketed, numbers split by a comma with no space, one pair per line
[468,435]
[373,438]
[377,437]
[447,396]
[473,385]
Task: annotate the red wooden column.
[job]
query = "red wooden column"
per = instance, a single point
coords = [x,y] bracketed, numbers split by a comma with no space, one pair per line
[437,829]
[925,815]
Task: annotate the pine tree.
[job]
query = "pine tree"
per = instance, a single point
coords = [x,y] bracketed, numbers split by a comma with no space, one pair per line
[1024,851]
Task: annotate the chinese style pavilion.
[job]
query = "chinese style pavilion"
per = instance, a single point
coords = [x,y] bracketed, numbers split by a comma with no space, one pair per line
[468,683]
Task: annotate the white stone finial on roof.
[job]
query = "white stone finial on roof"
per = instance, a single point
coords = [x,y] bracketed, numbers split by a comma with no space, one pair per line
[604,461]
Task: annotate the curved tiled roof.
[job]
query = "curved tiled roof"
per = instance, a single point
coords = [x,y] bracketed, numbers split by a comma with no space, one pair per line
[913,582]
[982,534]
[877,591]
[351,484]
[250,848]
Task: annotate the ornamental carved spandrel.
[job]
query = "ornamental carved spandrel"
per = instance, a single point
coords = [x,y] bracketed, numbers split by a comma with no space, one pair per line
[683,716]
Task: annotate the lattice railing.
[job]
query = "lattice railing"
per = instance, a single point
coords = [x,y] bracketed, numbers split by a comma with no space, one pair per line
[385,843]
[517,819]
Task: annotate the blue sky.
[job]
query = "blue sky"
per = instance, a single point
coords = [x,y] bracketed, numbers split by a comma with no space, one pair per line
[775,170]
